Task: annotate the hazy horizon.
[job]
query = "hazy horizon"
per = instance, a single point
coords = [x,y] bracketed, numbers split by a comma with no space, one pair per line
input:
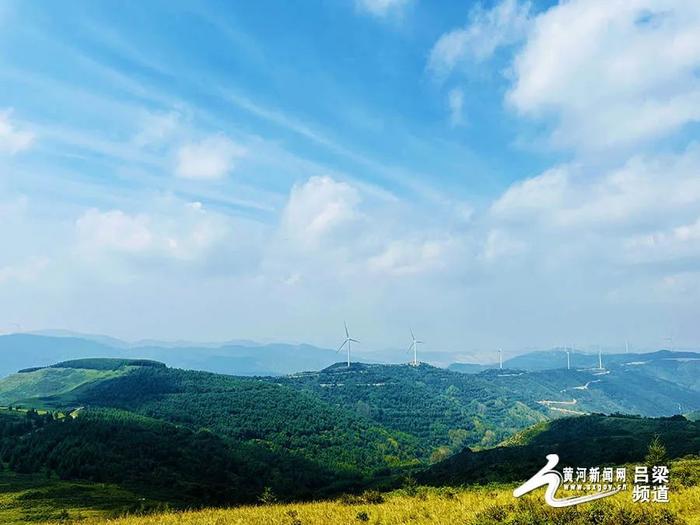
[390,354]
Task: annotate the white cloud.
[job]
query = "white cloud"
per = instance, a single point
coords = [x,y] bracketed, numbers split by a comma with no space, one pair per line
[405,257]
[173,229]
[499,244]
[455,101]
[115,230]
[486,31]
[646,189]
[676,243]
[211,158]
[13,140]
[381,8]
[611,74]
[319,209]
[540,194]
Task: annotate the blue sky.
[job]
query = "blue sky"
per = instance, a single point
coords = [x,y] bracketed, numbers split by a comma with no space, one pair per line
[209,170]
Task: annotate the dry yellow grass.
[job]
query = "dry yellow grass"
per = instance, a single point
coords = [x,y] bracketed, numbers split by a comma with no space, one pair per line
[434,507]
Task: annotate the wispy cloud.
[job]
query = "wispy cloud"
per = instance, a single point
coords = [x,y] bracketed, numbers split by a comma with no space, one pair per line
[486,31]
[455,101]
[12,139]
[211,158]
[381,8]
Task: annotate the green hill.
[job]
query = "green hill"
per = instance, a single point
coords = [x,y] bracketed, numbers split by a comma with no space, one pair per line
[157,459]
[448,410]
[594,440]
[444,409]
[46,382]
[246,411]
[567,392]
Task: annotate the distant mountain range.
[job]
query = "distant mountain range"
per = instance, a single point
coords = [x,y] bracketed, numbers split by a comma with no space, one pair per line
[250,358]
[680,368]
[18,351]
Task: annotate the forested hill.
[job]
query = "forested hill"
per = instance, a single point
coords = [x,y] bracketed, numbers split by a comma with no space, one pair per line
[572,392]
[449,410]
[446,410]
[584,441]
[160,460]
[247,411]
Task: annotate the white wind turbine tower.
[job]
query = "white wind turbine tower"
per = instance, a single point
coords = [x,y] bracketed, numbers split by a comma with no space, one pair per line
[500,359]
[600,358]
[568,358]
[347,342]
[414,346]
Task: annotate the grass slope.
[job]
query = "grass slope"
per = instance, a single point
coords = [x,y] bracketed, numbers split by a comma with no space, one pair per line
[46,382]
[421,506]
[36,499]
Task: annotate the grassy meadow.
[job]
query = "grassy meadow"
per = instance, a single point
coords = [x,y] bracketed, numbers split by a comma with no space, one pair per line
[475,506]
[34,499]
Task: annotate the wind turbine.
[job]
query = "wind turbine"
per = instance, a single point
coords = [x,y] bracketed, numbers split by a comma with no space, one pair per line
[600,359]
[568,358]
[500,359]
[627,347]
[414,346]
[347,342]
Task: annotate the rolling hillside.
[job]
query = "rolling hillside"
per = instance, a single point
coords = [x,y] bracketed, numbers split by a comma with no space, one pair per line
[449,410]
[299,426]
[162,461]
[444,409]
[574,392]
[579,441]
[431,412]
[196,438]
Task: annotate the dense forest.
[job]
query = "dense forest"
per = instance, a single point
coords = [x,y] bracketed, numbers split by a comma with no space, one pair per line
[249,410]
[584,441]
[159,459]
[444,409]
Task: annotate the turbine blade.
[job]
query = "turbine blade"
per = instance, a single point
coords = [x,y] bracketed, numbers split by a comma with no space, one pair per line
[412,336]
[347,334]
[341,346]
[353,340]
